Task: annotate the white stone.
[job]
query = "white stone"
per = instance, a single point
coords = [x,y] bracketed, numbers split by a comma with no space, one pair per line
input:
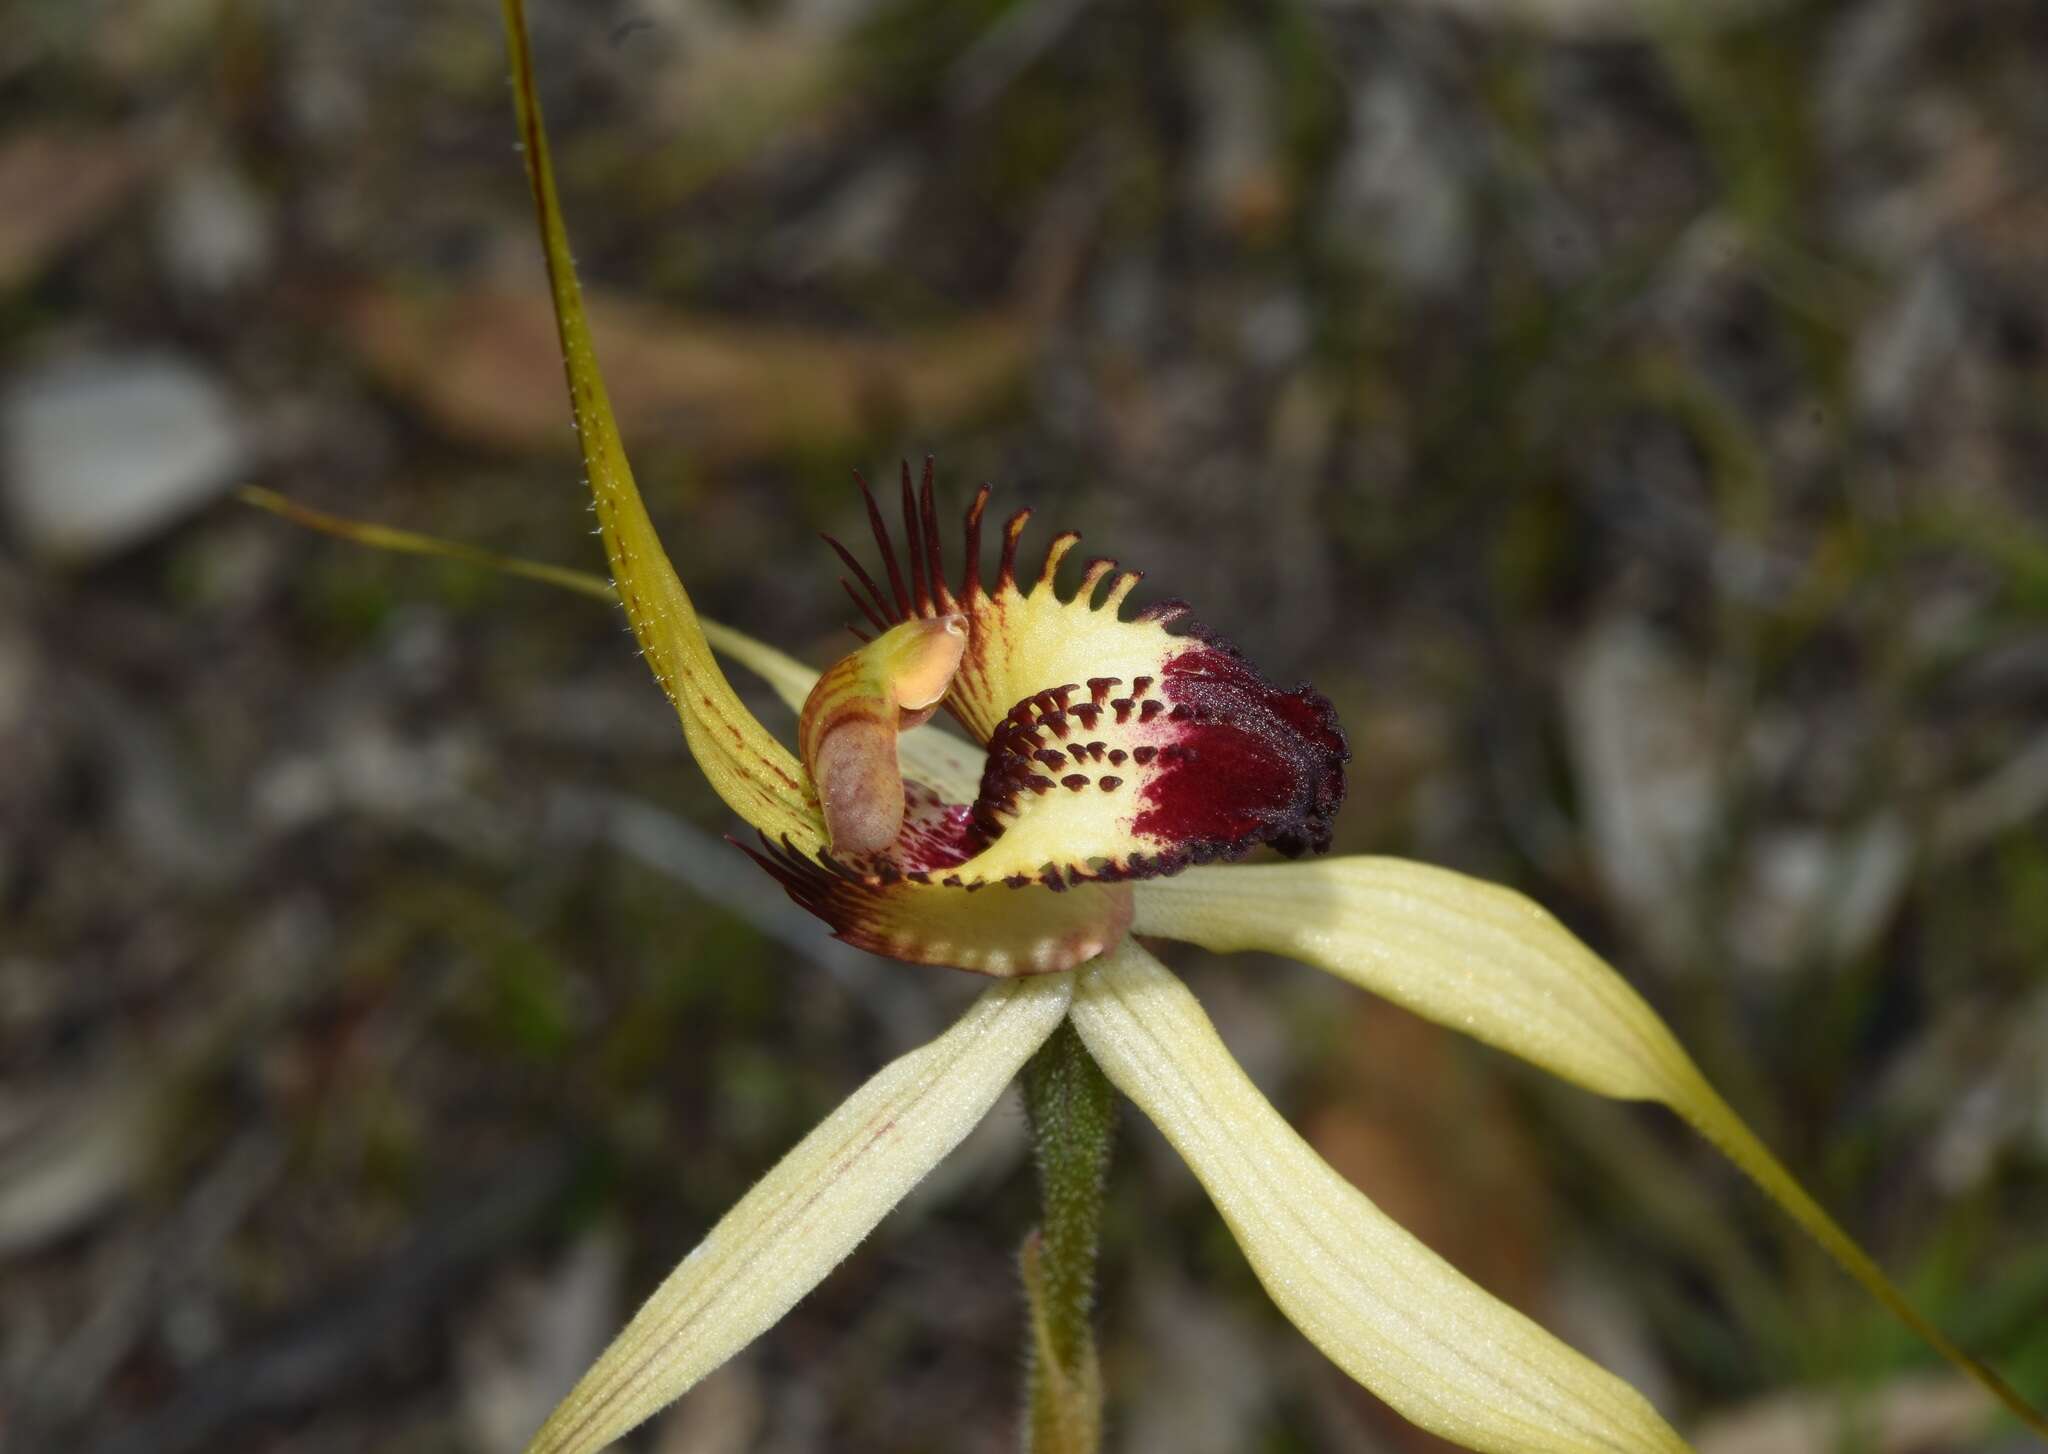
[100,451]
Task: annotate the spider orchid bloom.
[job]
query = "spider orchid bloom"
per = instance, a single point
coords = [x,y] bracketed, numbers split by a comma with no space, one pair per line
[1112,758]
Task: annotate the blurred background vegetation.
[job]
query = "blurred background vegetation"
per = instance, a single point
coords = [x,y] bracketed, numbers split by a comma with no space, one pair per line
[1633,418]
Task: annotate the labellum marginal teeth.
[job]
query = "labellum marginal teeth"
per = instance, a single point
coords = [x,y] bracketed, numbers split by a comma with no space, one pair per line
[1206,760]
[1116,748]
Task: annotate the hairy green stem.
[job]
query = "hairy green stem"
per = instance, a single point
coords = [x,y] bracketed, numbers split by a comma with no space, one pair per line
[1073,1126]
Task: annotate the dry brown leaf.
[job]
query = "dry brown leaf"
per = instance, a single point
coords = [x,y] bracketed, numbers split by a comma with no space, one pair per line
[485,366]
[55,185]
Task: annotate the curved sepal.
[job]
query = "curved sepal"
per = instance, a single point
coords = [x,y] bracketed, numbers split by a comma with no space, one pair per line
[807,1214]
[1441,1351]
[755,774]
[1488,961]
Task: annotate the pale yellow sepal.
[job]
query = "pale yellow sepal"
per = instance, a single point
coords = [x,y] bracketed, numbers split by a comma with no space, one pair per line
[807,1214]
[1462,952]
[1387,1310]
[756,775]
[1488,961]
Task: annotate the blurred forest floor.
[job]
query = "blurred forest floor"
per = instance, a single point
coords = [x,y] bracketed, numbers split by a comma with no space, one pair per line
[1637,427]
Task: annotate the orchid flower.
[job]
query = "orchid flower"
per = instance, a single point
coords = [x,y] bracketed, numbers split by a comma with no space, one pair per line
[1113,765]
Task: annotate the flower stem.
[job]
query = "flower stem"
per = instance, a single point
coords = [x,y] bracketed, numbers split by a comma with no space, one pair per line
[1073,1126]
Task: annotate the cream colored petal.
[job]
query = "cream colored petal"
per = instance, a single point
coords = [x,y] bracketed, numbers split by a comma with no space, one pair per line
[1386,1309]
[1488,961]
[807,1214]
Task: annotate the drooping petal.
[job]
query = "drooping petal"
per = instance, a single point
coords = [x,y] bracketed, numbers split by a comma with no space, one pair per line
[1492,963]
[754,773]
[1387,1310]
[1117,747]
[807,1214]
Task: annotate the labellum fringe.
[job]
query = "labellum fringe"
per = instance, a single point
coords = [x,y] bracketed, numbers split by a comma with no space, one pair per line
[1115,748]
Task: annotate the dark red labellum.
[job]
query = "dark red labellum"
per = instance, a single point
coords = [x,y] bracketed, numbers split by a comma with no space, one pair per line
[1256,765]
